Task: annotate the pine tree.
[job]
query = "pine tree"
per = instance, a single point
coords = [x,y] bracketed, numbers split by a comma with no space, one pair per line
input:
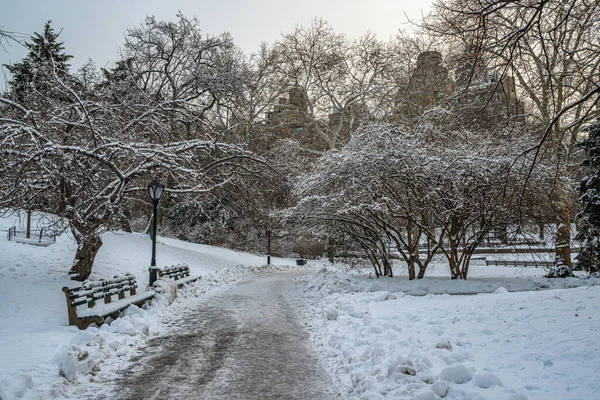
[46,57]
[118,82]
[588,223]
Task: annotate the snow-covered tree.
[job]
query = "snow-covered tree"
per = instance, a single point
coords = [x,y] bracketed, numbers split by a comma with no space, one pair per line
[196,74]
[551,48]
[89,156]
[87,176]
[426,191]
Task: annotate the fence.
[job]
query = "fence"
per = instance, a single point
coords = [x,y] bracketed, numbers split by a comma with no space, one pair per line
[39,236]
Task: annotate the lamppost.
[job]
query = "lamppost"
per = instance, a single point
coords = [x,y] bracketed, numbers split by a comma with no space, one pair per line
[268,247]
[155,190]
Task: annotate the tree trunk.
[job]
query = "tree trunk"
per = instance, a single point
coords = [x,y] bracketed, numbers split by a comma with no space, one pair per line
[330,249]
[465,267]
[453,262]
[388,267]
[28,229]
[87,249]
[374,262]
[421,273]
[563,236]
[411,267]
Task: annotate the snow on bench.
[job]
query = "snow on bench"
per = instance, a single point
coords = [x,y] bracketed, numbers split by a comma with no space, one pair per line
[89,292]
[179,272]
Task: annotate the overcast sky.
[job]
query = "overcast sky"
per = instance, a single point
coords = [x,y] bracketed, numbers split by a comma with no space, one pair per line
[94,29]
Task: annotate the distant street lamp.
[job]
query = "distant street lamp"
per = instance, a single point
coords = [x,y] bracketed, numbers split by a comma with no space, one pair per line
[155,190]
[268,247]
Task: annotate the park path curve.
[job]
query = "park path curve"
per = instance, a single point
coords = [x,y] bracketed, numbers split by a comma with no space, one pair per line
[245,342]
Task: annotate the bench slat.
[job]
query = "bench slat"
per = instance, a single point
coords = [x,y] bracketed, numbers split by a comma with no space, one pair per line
[79,303]
[175,272]
[520,263]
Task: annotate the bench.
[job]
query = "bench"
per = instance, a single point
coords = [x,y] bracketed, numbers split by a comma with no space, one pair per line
[112,291]
[179,273]
[515,263]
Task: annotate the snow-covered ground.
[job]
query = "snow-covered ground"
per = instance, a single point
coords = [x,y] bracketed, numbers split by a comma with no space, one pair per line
[393,338]
[35,338]
[521,336]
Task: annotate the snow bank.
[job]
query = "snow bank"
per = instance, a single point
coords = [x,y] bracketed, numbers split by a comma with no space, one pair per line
[379,341]
[332,280]
[166,287]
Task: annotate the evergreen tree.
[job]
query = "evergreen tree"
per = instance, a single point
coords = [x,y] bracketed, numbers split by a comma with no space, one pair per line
[46,57]
[118,82]
[588,223]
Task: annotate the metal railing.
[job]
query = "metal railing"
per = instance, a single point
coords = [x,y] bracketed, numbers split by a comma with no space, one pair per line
[35,235]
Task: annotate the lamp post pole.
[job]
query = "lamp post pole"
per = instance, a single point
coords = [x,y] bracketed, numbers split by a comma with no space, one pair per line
[153,273]
[155,191]
[268,247]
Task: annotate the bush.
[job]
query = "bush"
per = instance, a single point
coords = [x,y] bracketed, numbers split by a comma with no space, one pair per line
[559,271]
[307,246]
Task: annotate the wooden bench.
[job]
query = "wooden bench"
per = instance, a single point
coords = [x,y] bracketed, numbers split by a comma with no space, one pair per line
[179,273]
[515,263]
[112,291]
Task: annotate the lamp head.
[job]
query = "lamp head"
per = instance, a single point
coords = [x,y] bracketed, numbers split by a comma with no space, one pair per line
[156,190]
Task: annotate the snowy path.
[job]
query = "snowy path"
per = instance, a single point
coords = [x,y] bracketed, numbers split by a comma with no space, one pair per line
[245,342]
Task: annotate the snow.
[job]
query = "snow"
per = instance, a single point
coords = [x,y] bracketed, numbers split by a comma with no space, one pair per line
[482,279]
[393,338]
[36,343]
[101,309]
[486,380]
[506,333]
[456,373]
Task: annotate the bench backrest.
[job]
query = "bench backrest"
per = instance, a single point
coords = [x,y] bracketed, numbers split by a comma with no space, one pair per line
[520,263]
[175,271]
[90,292]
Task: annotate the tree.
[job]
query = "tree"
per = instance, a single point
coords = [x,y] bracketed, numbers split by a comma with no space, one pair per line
[196,74]
[335,83]
[441,188]
[6,37]
[46,57]
[84,153]
[553,51]
[87,177]
[588,220]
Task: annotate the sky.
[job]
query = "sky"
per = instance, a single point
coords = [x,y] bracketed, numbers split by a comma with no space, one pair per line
[95,29]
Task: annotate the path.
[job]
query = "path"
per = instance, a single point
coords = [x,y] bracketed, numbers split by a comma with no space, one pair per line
[246,342]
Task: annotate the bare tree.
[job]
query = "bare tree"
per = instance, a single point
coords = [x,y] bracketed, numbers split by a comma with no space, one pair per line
[342,82]
[175,63]
[553,50]
[85,152]
[8,37]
